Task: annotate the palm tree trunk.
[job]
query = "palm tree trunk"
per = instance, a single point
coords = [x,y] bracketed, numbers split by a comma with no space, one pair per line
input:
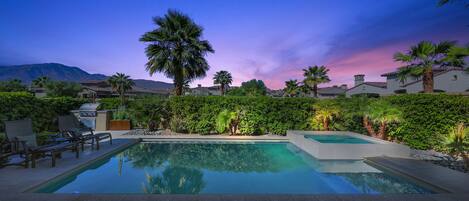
[382,130]
[222,89]
[122,97]
[427,80]
[315,90]
[178,90]
[369,126]
[326,124]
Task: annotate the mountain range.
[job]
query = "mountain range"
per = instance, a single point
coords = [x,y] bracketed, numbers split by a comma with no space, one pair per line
[56,71]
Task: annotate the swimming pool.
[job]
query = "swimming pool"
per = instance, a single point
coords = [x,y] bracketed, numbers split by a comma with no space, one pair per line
[227,168]
[342,139]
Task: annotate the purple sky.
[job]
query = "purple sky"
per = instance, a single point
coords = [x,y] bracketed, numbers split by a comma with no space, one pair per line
[269,40]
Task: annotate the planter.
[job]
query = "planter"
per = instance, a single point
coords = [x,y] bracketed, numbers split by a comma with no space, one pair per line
[119,125]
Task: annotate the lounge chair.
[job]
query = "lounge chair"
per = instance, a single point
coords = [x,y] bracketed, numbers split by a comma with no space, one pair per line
[10,154]
[70,125]
[21,133]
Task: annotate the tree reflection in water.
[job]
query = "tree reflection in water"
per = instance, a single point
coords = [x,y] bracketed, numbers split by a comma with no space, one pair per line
[175,180]
[183,163]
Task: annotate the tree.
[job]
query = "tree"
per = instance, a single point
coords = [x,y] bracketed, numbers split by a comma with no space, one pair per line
[314,76]
[224,79]
[250,88]
[121,83]
[41,82]
[423,57]
[291,88]
[324,112]
[176,49]
[61,88]
[14,85]
[382,113]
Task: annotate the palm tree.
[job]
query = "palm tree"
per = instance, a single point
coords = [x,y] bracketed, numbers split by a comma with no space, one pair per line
[41,81]
[422,58]
[325,111]
[314,76]
[176,49]
[291,88]
[224,79]
[383,113]
[121,83]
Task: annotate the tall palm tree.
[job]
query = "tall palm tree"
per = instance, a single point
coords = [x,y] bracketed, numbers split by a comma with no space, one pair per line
[121,83]
[315,75]
[291,88]
[41,81]
[176,49]
[423,57]
[224,79]
[382,113]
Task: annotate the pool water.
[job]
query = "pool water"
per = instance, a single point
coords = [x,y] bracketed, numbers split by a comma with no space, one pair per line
[228,168]
[343,139]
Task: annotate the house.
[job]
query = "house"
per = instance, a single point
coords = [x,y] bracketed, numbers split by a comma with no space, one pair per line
[332,92]
[449,80]
[102,89]
[205,91]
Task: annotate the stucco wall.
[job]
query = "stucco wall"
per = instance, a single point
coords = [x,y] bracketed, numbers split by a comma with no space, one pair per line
[452,81]
[364,88]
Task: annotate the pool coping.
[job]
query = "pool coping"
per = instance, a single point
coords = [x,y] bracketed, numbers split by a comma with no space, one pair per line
[346,151]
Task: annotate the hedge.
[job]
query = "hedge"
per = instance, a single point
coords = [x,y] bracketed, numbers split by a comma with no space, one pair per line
[426,120]
[43,111]
[195,114]
[428,117]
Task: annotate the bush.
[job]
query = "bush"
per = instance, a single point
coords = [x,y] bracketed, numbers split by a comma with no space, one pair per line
[258,115]
[427,118]
[43,111]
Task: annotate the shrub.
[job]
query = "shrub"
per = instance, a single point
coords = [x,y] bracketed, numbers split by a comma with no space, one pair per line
[426,118]
[43,111]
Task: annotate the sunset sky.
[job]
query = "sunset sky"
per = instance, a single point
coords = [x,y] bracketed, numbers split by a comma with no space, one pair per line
[270,40]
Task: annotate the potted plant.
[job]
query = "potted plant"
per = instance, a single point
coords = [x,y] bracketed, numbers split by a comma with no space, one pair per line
[120,120]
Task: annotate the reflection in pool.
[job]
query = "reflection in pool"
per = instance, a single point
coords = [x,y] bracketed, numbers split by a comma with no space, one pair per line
[227,168]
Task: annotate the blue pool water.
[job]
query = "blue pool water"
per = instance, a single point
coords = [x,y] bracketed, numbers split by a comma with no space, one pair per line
[228,168]
[343,139]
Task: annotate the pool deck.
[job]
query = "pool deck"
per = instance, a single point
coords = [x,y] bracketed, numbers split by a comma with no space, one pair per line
[14,181]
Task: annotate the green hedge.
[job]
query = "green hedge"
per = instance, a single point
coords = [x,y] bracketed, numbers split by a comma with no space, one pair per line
[43,111]
[427,117]
[259,115]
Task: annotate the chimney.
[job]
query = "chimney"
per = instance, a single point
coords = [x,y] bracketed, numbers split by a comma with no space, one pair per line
[199,85]
[359,79]
[344,86]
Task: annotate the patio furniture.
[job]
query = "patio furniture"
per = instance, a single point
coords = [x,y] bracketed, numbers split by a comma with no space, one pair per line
[20,132]
[70,125]
[10,154]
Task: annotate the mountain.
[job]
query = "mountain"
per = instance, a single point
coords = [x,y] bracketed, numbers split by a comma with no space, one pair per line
[56,71]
